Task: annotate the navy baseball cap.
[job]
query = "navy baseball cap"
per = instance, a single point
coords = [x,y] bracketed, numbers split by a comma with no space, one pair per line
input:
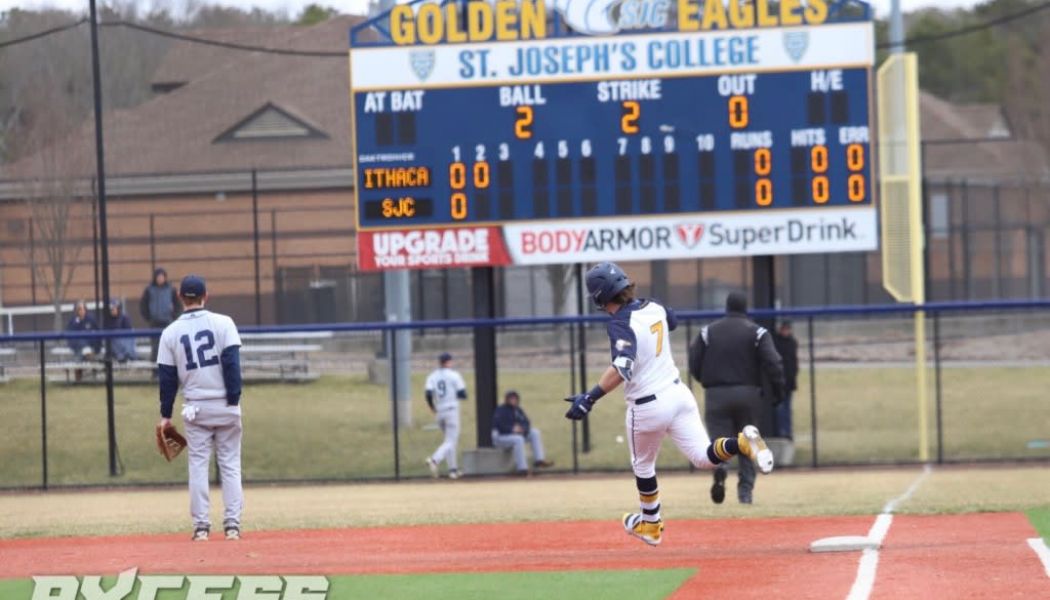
[445,357]
[192,286]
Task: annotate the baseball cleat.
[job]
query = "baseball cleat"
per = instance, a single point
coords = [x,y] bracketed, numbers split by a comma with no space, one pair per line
[200,534]
[646,531]
[433,466]
[453,474]
[754,447]
[718,488]
[233,533]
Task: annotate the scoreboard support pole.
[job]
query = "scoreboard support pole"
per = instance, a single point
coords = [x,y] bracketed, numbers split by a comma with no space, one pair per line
[764,287]
[398,307]
[581,347]
[483,284]
[764,296]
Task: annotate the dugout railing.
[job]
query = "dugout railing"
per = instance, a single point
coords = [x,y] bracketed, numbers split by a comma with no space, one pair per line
[987,367]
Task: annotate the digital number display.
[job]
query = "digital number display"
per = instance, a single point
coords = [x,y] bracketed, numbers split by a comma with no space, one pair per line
[632,147]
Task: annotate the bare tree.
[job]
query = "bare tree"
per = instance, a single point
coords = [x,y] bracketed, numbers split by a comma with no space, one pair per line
[39,78]
[60,224]
[59,215]
[1027,101]
[61,62]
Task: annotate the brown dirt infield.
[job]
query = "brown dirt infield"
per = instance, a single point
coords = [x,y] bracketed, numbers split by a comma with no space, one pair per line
[979,555]
[960,556]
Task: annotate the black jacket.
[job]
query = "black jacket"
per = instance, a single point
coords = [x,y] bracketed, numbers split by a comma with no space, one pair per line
[787,347]
[735,351]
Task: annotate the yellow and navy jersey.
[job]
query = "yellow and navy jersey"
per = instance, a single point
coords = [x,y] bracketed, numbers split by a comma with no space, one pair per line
[640,340]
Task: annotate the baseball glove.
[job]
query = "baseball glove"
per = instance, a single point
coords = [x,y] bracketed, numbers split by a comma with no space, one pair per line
[170,442]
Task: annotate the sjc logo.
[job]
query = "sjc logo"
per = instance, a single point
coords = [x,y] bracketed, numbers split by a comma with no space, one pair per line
[603,17]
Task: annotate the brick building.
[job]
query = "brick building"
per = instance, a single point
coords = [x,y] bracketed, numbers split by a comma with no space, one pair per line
[180,186]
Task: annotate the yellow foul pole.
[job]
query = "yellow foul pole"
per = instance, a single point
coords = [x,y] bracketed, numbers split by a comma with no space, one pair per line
[900,174]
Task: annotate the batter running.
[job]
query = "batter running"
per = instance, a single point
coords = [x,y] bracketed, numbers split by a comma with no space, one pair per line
[201,351]
[658,404]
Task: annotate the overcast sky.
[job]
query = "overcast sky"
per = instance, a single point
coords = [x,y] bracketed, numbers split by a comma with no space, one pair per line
[293,7]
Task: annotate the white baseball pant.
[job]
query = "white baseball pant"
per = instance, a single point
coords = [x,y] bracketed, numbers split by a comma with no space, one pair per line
[215,425]
[448,421]
[673,413]
[516,442]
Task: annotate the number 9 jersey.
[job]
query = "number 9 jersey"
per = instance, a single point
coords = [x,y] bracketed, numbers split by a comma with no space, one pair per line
[193,344]
[639,334]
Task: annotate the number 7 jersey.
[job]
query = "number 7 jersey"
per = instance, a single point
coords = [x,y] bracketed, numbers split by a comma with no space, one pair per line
[639,334]
[193,344]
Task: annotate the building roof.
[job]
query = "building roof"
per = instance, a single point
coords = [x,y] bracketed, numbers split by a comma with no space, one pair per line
[191,129]
[187,61]
[974,142]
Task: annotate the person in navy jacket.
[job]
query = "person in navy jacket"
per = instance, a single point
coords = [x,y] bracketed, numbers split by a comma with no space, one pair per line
[511,429]
[82,321]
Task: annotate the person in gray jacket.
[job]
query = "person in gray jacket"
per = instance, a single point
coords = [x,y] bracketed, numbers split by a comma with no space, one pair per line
[730,358]
[159,306]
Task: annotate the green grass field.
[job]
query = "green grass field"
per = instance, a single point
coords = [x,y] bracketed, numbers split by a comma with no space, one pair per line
[654,584]
[568,585]
[1040,518]
[339,427]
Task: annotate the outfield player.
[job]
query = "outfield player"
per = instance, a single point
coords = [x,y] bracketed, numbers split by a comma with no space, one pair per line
[200,351]
[658,404]
[444,391]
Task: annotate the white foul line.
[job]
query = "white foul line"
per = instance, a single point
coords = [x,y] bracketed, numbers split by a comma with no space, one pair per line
[1042,552]
[869,559]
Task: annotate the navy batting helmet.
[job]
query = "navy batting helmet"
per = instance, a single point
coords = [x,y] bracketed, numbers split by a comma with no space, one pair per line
[604,281]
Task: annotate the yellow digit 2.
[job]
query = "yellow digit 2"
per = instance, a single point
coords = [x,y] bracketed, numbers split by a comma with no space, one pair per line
[523,123]
[658,329]
[629,120]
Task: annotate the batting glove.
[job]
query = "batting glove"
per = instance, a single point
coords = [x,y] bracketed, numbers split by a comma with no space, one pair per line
[581,405]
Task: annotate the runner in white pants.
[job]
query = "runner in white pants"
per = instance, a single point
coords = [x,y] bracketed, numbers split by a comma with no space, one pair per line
[444,391]
[201,352]
[658,404]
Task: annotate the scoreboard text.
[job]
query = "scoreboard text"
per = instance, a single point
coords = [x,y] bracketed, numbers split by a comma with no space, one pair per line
[729,134]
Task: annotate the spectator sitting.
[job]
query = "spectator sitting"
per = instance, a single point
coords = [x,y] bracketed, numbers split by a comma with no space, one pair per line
[123,347]
[82,321]
[510,429]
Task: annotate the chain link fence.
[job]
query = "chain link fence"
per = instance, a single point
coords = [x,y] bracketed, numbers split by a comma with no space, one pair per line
[318,403]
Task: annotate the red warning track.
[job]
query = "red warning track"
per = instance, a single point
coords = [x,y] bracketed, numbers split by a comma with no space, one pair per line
[942,557]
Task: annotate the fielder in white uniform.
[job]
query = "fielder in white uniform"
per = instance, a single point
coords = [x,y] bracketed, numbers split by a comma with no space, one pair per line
[658,404]
[444,391]
[200,352]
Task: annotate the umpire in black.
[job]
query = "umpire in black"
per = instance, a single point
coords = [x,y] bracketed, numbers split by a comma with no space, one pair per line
[730,358]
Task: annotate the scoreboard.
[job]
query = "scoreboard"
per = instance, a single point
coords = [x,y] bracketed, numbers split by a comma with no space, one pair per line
[524,133]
